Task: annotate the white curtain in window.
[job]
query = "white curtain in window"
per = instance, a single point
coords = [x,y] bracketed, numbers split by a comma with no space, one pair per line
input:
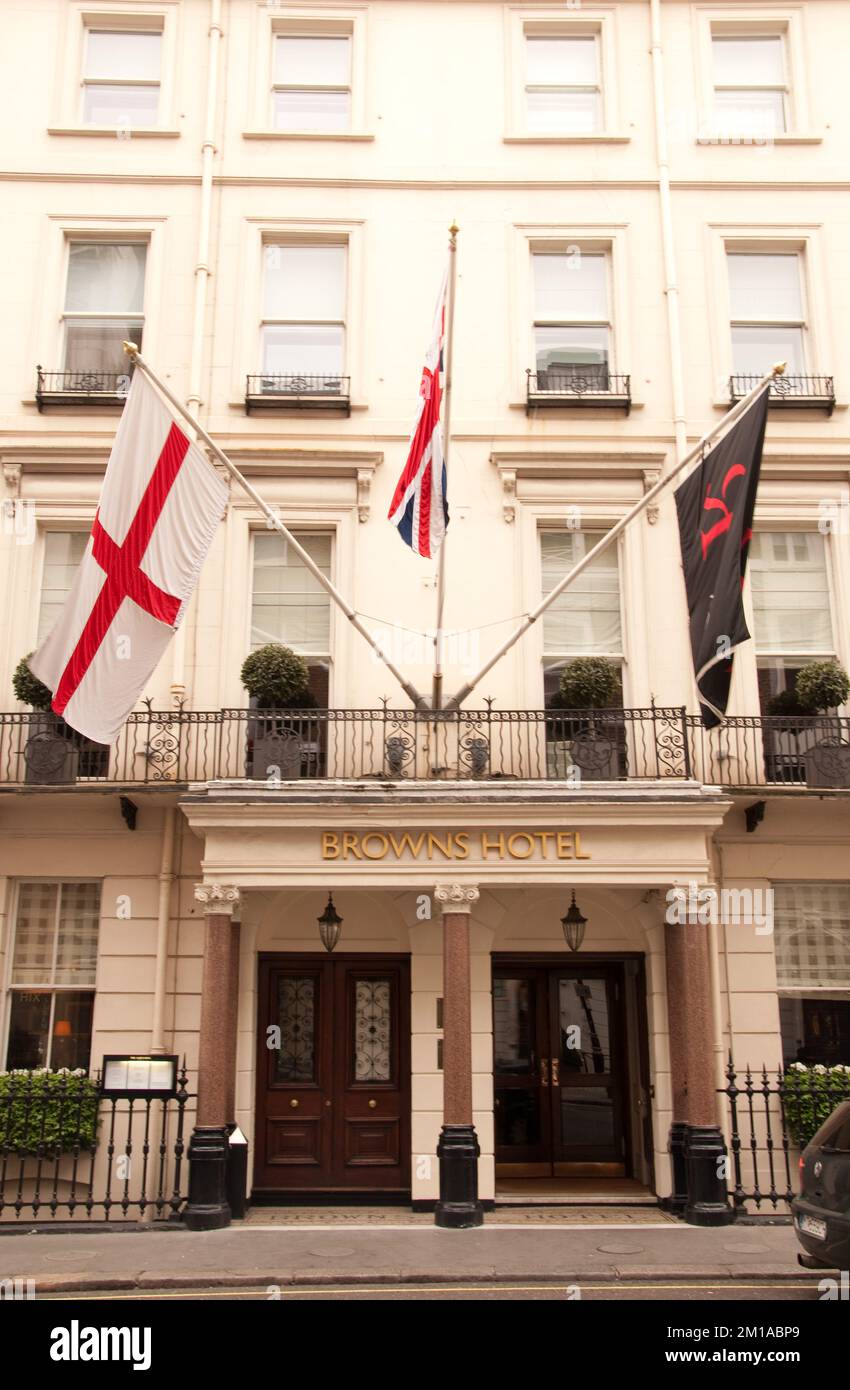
[570,286]
[106,278]
[563,62]
[304,282]
[812,935]
[585,620]
[44,909]
[790,589]
[121,56]
[765,287]
[748,61]
[304,60]
[289,605]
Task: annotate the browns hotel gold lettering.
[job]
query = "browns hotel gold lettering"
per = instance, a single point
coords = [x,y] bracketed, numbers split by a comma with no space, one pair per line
[452,844]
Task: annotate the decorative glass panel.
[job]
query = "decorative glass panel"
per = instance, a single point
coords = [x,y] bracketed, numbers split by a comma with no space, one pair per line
[812,935]
[372,1030]
[584,1028]
[296,1012]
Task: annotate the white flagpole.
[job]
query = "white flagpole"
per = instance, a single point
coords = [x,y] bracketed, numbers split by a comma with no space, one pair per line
[275,522]
[447,412]
[610,536]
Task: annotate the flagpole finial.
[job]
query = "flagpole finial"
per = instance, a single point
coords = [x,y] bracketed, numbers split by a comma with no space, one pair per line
[130,348]
[779,368]
[453,230]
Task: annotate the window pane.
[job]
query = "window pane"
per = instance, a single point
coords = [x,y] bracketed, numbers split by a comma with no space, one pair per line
[94,345]
[122,55]
[29,1029]
[564,113]
[114,105]
[566,62]
[791,608]
[744,115]
[303,350]
[583,1019]
[289,605]
[304,61]
[562,347]
[812,934]
[296,1014]
[372,1030]
[765,287]
[572,286]
[63,551]
[305,282]
[585,619]
[749,61]
[35,934]
[79,920]
[72,1018]
[315,111]
[755,350]
[105,278]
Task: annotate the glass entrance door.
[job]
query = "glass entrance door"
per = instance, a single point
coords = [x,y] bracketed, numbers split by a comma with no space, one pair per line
[560,1070]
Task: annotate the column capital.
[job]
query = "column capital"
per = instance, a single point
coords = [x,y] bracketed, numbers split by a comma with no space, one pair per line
[456,897]
[217,899]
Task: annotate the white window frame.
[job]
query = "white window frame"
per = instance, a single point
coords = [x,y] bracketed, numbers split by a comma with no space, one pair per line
[54,990]
[754,21]
[607,322]
[288,243]
[256,234]
[598,20]
[77,18]
[549,659]
[792,658]
[783,88]
[136,315]
[802,238]
[348,21]
[298,531]
[44,531]
[610,240]
[772,321]
[47,342]
[804,991]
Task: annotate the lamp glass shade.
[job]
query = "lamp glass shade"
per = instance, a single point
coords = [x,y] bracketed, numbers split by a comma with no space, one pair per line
[330,925]
[574,925]
[62,1028]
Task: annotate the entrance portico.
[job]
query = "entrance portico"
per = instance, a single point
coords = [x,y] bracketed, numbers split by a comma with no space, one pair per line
[395,867]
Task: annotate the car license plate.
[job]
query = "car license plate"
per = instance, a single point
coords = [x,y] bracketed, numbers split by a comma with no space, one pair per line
[812,1227]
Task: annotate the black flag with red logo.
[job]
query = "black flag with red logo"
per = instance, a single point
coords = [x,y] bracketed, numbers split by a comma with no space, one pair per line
[715,506]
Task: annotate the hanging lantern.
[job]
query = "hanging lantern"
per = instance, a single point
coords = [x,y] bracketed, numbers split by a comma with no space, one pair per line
[330,925]
[574,925]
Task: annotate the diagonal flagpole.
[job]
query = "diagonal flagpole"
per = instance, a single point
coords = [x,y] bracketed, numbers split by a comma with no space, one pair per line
[447,408]
[275,522]
[610,536]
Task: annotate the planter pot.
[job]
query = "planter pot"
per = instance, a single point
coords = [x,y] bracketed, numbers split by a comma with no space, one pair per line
[50,759]
[277,754]
[828,765]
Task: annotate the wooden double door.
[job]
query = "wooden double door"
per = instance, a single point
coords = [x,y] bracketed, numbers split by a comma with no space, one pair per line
[560,1070]
[333,1074]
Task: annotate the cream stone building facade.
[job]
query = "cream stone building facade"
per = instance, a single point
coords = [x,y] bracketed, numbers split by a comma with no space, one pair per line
[654,206]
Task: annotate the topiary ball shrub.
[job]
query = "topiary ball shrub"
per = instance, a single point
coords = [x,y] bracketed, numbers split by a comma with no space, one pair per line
[822,686]
[589,682]
[275,676]
[28,688]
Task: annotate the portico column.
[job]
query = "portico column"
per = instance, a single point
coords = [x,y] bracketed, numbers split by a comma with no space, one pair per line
[208,1208]
[697,1146]
[458,1149]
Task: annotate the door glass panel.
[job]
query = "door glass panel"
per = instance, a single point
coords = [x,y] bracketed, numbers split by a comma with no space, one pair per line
[583,1027]
[587,1118]
[372,1030]
[518,1118]
[512,1026]
[296,1012]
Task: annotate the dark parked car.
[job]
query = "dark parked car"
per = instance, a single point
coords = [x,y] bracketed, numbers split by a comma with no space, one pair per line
[822,1210]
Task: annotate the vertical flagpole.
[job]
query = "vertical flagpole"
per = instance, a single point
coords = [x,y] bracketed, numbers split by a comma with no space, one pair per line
[447,411]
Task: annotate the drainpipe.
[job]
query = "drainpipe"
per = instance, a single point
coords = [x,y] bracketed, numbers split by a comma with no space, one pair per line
[202,274]
[671,287]
[163,914]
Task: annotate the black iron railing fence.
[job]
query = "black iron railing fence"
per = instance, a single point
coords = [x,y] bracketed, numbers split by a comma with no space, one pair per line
[82,387]
[799,391]
[772,1116]
[566,746]
[70,1154]
[578,384]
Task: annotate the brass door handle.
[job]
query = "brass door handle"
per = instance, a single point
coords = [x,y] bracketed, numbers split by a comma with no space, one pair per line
[294,1103]
[372,1104]
[544,1071]
[556,1071]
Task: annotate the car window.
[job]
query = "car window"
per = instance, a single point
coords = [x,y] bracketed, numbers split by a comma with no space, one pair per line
[835,1133]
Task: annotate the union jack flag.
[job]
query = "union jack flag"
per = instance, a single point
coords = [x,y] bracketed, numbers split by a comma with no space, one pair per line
[420,507]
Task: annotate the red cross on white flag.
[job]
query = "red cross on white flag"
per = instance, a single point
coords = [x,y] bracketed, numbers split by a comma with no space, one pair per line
[160,505]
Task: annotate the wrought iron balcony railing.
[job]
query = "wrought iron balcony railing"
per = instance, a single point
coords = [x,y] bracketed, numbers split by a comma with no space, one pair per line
[567,747]
[82,388]
[790,392]
[275,392]
[566,384]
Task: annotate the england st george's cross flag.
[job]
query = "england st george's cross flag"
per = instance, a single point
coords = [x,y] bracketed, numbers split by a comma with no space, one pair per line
[160,505]
[715,506]
[420,506]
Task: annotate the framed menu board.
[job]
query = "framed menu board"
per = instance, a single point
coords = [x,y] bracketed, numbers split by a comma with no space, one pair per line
[139,1077]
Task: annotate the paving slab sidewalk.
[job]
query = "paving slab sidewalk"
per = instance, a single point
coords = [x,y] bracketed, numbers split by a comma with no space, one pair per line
[245,1256]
